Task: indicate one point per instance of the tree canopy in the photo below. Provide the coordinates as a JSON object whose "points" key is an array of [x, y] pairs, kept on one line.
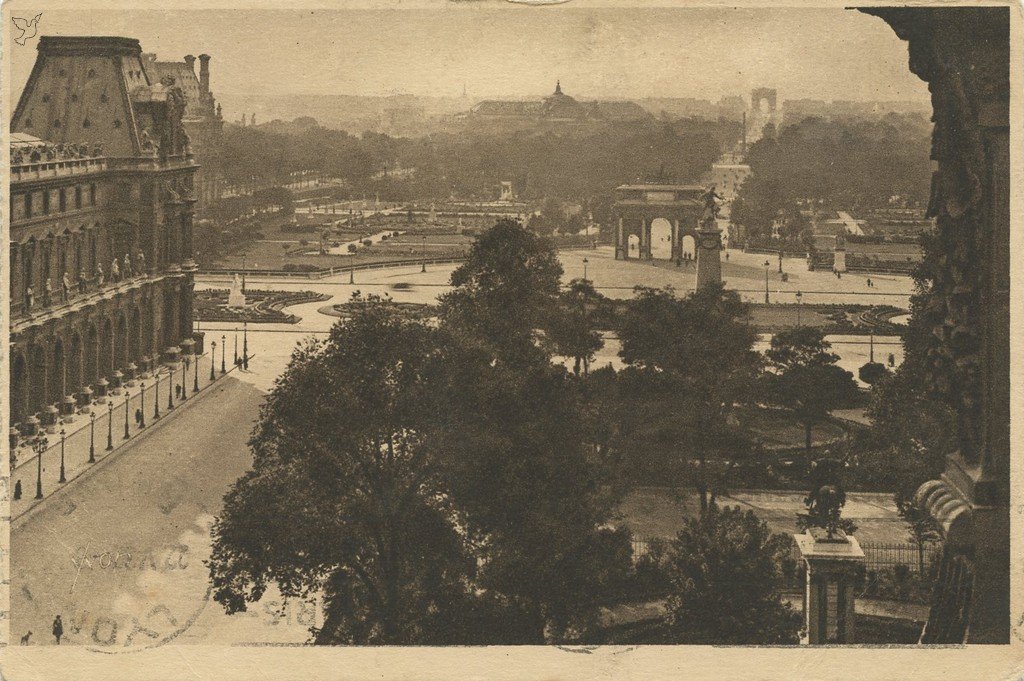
{"points": [[724, 568], [430, 493], [803, 376]]}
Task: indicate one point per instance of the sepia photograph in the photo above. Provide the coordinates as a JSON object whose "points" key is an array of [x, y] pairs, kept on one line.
{"points": [[567, 326]]}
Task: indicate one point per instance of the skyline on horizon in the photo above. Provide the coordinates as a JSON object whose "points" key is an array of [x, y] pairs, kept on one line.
{"points": [[513, 53]]}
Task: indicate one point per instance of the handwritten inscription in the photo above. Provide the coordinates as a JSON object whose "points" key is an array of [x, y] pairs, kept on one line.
{"points": [[172, 558]]}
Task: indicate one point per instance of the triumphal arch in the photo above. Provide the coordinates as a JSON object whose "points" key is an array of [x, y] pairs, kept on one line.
{"points": [[638, 206]]}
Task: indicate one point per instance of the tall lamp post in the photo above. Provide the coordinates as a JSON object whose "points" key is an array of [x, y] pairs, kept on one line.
{"points": [[92, 437], [156, 394], [424, 268], [110, 425], [245, 345], [223, 350], [799, 305], [142, 407], [236, 346], [213, 359], [766, 266], [184, 377], [585, 261], [195, 374], [126, 404], [63, 438], [170, 388], [39, 446]]}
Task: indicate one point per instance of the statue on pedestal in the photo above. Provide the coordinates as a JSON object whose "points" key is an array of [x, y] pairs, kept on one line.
{"points": [[235, 296], [711, 207]]}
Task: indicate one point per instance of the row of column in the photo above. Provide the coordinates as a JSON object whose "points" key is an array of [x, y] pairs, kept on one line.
{"points": [[622, 240], [95, 360]]}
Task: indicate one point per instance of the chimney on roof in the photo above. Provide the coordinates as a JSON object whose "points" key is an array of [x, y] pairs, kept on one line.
{"points": [[204, 73], [149, 57], [190, 62]]}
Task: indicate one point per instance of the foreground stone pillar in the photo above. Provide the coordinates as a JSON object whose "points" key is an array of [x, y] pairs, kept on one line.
{"points": [[832, 565]]}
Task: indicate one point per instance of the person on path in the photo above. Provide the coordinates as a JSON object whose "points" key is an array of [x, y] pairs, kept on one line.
{"points": [[58, 629]]}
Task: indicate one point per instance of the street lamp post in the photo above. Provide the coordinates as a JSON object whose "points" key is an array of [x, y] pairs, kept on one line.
{"points": [[110, 425], [39, 446], [236, 346], [585, 261], [63, 438], [424, 268], [766, 266], [92, 437], [245, 345], [170, 388], [142, 407], [126, 404], [156, 395], [184, 377], [195, 375], [223, 349], [213, 359], [799, 306]]}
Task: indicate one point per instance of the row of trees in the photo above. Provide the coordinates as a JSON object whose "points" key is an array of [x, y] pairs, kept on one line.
{"points": [[568, 165], [837, 165]]}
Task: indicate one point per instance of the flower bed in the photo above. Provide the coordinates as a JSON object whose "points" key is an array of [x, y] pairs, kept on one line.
{"points": [[261, 306]]}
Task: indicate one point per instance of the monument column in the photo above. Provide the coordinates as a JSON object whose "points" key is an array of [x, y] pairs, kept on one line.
{"points": [[709, 257], [621, 243]]}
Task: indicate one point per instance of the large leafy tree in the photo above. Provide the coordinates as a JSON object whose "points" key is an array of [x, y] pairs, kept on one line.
{"points": [[803, 377], [345, 497], [529, 484], [724, 567], [431, 494], [570, 328], [504, 293], [691, 361]]}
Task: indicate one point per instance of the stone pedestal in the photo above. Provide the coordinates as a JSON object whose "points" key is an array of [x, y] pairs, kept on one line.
{"points": [[839, 262], [116, 381], [200, 346], [833, 565], [49, 419], [102, 387], [30, 426], [67, 406], [145, 366], [130, 372], [85, 397], [170, 355], [187, 346], [709, 257]]}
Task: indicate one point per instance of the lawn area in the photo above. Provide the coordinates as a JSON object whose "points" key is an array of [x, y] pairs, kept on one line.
{"points": [[658, 512], [777, 429], [270, 255]]}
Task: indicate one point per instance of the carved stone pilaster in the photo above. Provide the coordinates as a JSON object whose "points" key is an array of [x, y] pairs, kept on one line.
{"points": [[964, 54]]}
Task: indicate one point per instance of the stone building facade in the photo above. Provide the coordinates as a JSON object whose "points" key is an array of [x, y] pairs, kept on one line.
{"points": [[101, 204], [201, 118]]}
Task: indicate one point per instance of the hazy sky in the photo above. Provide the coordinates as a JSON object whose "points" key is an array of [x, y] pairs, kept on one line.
{"points": [[510, 51]]}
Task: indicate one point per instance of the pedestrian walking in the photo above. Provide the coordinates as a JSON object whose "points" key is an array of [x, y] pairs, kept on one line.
{"points": [[58, 629], [138, 416], [17, 490]]}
